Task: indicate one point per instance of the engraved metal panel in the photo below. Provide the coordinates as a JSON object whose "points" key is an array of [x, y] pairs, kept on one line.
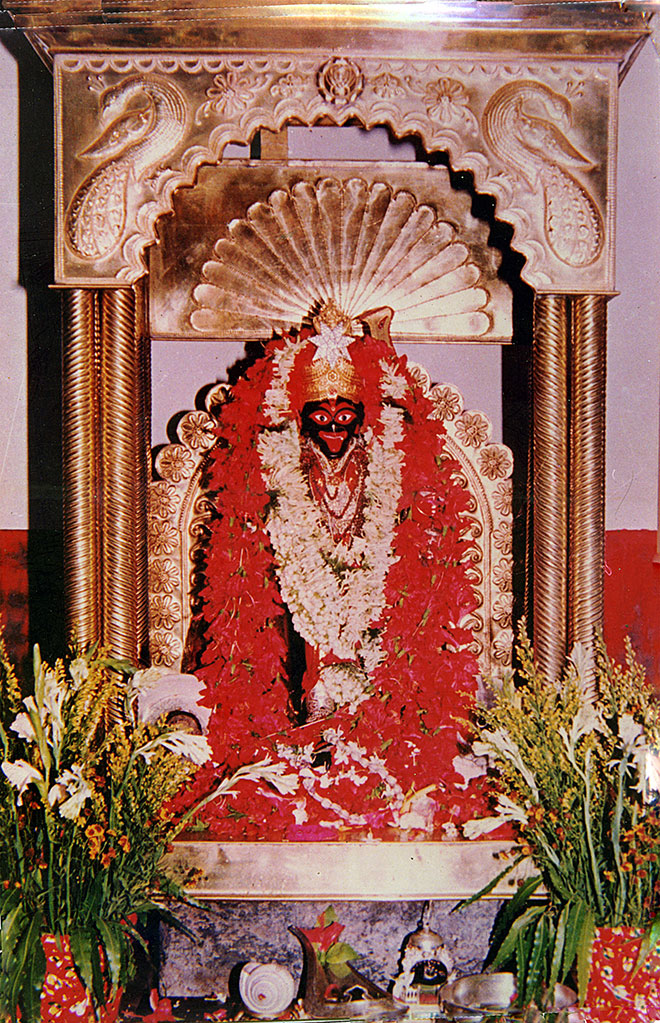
{"points": [[538, 136]]}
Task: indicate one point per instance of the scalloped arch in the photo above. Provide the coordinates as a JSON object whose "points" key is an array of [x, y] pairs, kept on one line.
{"points": [[228, 97]]}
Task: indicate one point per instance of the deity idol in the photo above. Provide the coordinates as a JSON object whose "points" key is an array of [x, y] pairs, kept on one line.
{"points": [[330, 638]]}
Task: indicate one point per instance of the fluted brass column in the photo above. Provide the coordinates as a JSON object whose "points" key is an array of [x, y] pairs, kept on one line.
{"points": [[106, 431], [550, 481], [143, 412], [81, 460], [587, 459], [123, 483]]}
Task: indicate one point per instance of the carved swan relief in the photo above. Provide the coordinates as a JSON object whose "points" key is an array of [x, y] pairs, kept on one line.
{"points": [[144, 121], [520, 124]]}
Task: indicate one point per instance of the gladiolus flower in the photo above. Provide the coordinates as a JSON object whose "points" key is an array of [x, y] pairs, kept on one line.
{"points": [[21, 774]]}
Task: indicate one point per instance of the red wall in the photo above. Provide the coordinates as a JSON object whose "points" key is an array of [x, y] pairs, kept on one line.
{"points": [[632, 594]]}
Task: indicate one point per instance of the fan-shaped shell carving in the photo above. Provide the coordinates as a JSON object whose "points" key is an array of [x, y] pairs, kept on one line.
{"points": [[362, 245]]}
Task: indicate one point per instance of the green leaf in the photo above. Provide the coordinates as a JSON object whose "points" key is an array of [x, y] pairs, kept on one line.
{"points": [[538, 957], [574, 922], [510, 910], [558, 951], [328, 916], [518, 927], [120, 664], [13, 926], [649, 942], [585, 941], [81, 950], [114, 941], [488, 888], [30, 1001], [341, 970], [23, 955], [340, 952], [8, 899]]}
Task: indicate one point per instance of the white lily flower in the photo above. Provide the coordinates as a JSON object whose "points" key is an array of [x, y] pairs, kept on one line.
{"points": [[21, 774], [146, 678], [273, 774], [23, 727], [504, 744], [651, 773], [55, 691], [469, 767], [588, 719], [629, 731], [263, 770], [633, 739], [193, 747], [300, 814], [482, 826], [75, 787], [508, 811], [56, 794]]}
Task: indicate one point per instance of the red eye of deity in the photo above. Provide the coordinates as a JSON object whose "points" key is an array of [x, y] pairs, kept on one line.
{"points": [[321, 417]]}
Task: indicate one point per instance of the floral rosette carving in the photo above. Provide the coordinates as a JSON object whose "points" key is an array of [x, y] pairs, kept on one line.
{"points": [[171, 550], [340, 81], [496, 463], [165, 648], [447, 101], [387, 86], [164, 611], [175, 463], [196, 430], [232, 92], [289, 86]]}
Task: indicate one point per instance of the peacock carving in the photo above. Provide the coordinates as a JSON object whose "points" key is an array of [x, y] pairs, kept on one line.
{"points": [[144, 121], [360, 245], [520, 124]]}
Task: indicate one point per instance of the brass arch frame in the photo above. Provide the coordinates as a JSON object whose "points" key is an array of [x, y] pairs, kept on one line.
{"points": [[106, 354]]}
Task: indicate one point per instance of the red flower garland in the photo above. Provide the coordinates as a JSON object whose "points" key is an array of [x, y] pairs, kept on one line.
{"points": [[406, 731]]}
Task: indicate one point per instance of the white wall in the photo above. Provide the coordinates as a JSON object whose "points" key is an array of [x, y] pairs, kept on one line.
{"points": [[634, 316], [634, 359], [13, 354]]}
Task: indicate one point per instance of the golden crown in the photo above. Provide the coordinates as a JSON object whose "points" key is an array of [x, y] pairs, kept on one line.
{"points": [[321, 380]]}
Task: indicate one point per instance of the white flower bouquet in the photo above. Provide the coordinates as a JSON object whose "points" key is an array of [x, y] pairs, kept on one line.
{"points": [[84, 821], [574, 766]]}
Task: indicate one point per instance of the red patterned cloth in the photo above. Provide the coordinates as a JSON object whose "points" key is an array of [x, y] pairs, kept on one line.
{"points": [[617, 992], [64, 999]]}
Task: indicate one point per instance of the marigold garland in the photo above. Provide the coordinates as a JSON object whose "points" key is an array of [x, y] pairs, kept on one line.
{"points": [[384, 760]]}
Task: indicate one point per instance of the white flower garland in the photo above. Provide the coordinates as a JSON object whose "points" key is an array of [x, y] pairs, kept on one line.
{"points": [[335, 592]]}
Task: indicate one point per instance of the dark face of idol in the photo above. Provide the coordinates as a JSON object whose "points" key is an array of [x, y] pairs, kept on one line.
{"points": [[332, 423]]}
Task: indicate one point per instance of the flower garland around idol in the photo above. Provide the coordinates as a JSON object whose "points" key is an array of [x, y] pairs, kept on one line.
{"points": [[389, 604]]}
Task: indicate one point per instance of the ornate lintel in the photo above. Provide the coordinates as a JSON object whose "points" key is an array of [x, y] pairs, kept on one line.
{"points": [[538, 136]]}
